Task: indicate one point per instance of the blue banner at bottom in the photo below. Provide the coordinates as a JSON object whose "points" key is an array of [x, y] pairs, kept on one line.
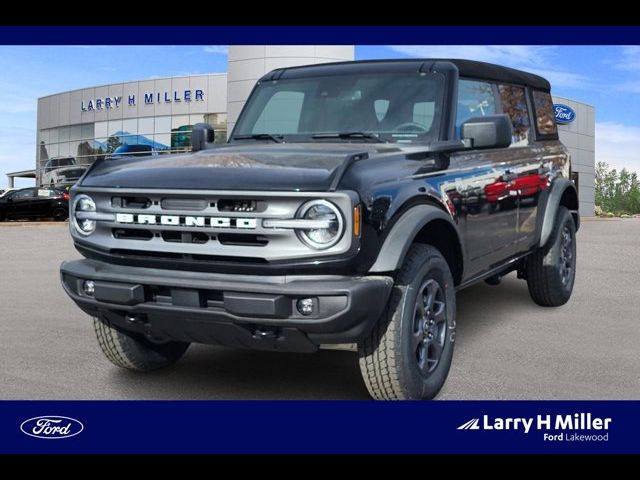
{"points": [[319, 427]]}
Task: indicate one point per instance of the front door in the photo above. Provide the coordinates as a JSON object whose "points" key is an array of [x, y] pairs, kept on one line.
{"points": [[479, 188], [20, 203]]}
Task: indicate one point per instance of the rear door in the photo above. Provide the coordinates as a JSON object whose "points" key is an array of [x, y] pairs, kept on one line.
{"points": [[43, 201]]}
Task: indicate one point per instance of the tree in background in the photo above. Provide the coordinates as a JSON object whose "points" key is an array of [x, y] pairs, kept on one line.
{"points": [[113, 142], [617, 192]]}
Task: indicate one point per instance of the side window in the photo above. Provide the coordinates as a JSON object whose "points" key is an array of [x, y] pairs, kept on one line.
{"points": [[281, 114], [475, 99], [545, 118], [514, 104], [28, 193]]}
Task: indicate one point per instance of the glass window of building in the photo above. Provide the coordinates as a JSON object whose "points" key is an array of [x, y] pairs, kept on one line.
{"points": [[63, 134], [115, 127], [162, 141], [145, 125], [101, 130], [88, 131], [76, 132], [162, 125], [130, 126]]}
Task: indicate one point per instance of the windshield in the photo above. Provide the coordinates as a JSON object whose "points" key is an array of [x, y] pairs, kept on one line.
{"points": [[394, 107]]}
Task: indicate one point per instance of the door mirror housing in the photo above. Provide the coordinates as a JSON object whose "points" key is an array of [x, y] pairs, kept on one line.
{"points": [[491, 131], [202, 135]]}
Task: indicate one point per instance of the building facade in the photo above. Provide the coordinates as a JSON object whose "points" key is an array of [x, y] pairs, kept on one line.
{"points": [[87, 124], [579, 137]]}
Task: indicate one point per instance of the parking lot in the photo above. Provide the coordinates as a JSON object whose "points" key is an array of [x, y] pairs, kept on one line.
{"points": [[507, 347]]}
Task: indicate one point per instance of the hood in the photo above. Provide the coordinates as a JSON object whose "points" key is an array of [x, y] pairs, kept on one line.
{"points": [[259, 166]]}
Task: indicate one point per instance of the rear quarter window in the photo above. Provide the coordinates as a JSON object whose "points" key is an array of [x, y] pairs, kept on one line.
{"points": [[545, 118], [514, 104]]}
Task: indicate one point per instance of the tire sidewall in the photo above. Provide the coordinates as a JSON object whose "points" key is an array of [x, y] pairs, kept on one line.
{"points": [[420, 387], [552, 258]]}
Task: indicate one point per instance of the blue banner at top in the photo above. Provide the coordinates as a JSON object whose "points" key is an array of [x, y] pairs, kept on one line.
{"points": [[327, 35], [326, 427]]}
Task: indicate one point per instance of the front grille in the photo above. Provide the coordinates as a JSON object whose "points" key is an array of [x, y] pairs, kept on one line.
{"points": [[211, 226]]}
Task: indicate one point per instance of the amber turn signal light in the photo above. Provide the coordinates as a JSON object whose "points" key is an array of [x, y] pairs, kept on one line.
{"points": [[357, 221]]}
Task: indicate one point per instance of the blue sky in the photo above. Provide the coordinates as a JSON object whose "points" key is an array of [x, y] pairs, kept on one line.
{"points": [[607, 77]]}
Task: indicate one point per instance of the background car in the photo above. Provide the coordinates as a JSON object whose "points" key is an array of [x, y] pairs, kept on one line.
{"points": [[6, 191], [35, 203], [60, 172]]}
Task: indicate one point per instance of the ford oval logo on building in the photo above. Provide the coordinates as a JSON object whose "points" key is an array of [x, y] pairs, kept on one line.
{"points": [[564, 113], [51, 427]]}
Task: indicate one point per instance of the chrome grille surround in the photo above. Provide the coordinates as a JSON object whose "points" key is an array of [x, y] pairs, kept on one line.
{"points": [[274, 226]]}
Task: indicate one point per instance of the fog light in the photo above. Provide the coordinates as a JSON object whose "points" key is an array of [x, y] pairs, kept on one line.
{"points": [[89, 287], [305, 306]]}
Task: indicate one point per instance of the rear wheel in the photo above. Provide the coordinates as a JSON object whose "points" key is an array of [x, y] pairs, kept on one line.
{"points": [[408, 354], [134, 352], [60, 214], [551, 270]]}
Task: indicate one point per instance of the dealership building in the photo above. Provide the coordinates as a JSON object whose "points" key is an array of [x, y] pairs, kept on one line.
{"points": [[89, 123]]}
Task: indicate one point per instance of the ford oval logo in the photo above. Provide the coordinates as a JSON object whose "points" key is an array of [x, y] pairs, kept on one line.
{"points": [[51, 427], [564, 113]]}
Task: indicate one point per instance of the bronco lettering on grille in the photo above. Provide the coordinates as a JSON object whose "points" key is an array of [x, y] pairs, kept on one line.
{"points": [[186, 221]]}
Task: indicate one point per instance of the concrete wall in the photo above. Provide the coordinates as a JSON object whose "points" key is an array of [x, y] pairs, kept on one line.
{"points": [[579, 137], [247, 63]]}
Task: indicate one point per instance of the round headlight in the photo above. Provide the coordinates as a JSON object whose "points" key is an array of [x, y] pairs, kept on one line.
{"points": [[328, 235], [81, 205]]}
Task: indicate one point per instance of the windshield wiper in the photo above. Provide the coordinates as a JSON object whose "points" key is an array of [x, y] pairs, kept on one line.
{"points": [[260, 136], [347, 135]]}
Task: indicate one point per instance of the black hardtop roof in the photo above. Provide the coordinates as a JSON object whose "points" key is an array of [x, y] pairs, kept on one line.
{"points": [[467, 68]]}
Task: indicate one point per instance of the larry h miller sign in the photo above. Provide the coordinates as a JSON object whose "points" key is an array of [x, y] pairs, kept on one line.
{"points": [[149, 98]]}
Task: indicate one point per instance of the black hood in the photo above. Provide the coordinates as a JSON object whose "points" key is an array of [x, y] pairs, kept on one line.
{"points": [[259, 166]]}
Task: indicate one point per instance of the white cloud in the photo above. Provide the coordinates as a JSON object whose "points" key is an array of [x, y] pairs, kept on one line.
{"points": [[618, 145], [629, 87], [532, 58], [630, 60], [217, 49]]}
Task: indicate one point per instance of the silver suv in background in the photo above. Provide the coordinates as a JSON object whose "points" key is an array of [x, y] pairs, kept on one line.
{"points": [[62, 172]]}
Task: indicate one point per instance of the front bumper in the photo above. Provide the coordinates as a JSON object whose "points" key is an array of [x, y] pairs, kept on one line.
{"points": [[235, 310]]}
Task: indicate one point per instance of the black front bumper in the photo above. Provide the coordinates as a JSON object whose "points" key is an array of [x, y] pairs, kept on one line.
{"points": [[235, 310]]}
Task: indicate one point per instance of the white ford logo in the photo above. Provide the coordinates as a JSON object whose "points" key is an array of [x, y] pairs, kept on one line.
{"points": [[51, 427], [186, 221]]}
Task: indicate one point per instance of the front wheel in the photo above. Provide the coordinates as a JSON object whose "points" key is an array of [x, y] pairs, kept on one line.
{"points": [[408, 354], [134, 352], [551, 270]]}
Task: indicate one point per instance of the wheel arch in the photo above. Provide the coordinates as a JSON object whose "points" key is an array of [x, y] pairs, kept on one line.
{"points": [[563, 193], [427, 224]]}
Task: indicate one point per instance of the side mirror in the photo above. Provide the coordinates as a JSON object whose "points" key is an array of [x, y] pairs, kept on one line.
{"points": [[202, 134], [492, 131]]}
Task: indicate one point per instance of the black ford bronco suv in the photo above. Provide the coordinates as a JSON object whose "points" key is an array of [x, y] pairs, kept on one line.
{"points": [[349, 205]]}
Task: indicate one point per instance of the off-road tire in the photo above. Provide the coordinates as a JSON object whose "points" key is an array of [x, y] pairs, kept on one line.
{"points": [[389, 364], [134, 352], [550, 283]]}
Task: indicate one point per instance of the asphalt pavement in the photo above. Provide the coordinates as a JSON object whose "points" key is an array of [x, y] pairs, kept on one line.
{"points": [[506, 346]]}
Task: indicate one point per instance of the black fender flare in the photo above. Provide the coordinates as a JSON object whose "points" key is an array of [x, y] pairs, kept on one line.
{"points": [[551, 205], [402, 234]]}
